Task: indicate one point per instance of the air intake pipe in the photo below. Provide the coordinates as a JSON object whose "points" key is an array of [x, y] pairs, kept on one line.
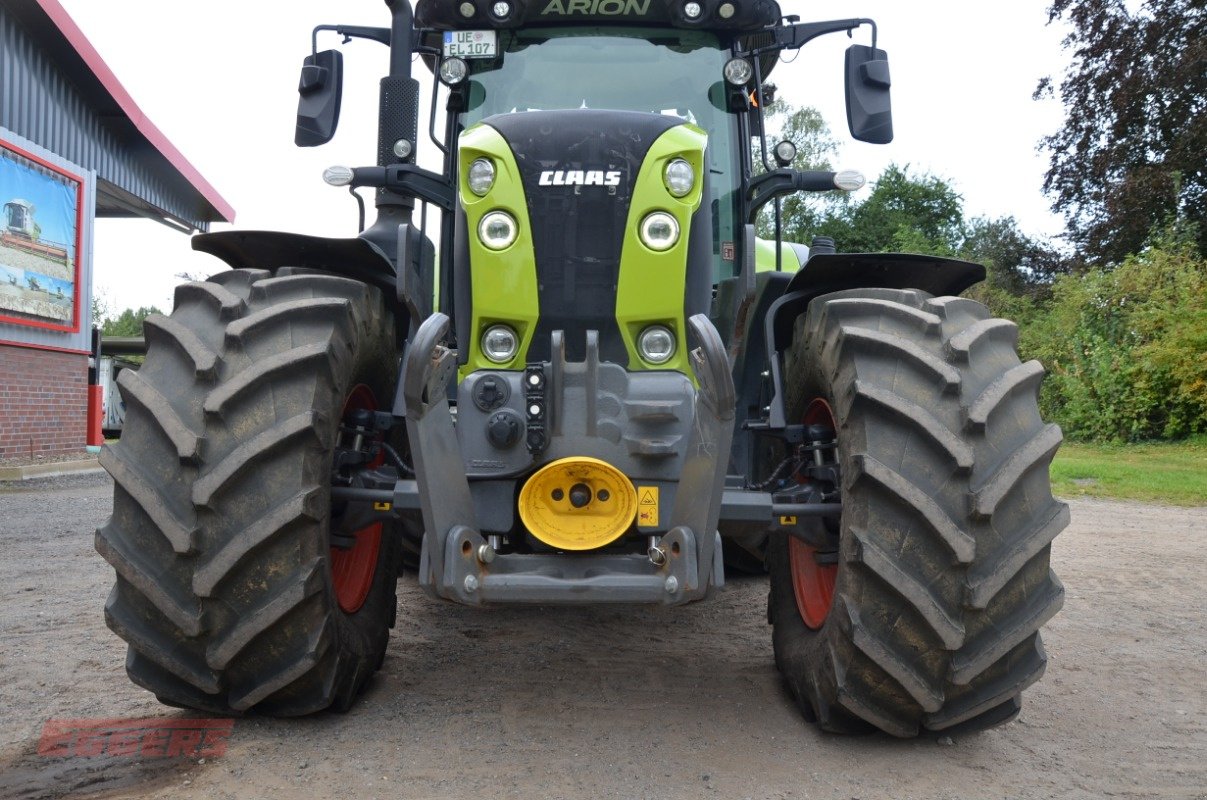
{"points": [[398, 116]]}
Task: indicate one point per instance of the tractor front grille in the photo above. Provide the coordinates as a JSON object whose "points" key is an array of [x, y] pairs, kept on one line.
{"points": [[578, 227]]}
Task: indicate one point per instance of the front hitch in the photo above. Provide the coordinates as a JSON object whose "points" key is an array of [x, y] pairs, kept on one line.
{"points": [[460, 562]]}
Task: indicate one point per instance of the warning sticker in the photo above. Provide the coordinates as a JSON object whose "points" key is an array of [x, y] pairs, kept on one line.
{"points": [[647, 506]]}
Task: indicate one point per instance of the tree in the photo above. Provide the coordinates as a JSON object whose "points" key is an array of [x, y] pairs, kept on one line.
{"points": [[1126, 348], [129, 322], [100, 308], [1016, 262], [1132, 154], [904, 213]]}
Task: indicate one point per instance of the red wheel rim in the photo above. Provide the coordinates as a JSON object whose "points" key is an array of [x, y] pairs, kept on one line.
{"points": [[812, 583], [353, 568]]}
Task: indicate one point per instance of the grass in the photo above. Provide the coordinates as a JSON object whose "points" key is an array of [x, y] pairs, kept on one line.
{"points": [[1158, 472]]}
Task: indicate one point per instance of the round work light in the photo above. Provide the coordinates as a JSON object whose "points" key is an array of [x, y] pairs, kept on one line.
{"points": [[656, 344], [497, 230], [659, 231], [738, 71], [453, 70], [500, 344]]}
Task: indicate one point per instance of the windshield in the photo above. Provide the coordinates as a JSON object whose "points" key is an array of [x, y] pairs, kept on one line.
{"points": [[653, 70]]}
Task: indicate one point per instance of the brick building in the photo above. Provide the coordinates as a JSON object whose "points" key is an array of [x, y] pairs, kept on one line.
{"points": [[73, 147]]}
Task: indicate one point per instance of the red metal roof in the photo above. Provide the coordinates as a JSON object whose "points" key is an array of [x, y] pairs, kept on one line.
{"points": [[75, 37]]}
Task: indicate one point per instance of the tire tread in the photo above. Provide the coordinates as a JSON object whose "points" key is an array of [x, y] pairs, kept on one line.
{"points": [[223, 590], [943, 581]]}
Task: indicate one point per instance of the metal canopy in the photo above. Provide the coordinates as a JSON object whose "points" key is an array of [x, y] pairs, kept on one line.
{"points": [[56, 91]]}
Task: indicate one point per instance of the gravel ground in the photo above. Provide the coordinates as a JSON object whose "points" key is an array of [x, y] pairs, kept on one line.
{"points": [[623, 702]]}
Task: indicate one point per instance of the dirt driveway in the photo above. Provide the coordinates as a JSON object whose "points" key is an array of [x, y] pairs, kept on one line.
{"points": [[623, 702]]}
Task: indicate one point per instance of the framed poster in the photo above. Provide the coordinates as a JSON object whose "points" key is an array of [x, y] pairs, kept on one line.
{"points": [[41, 236]]}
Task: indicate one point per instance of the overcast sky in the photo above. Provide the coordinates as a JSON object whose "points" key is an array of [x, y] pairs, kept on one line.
{"points": [[219, 79]]}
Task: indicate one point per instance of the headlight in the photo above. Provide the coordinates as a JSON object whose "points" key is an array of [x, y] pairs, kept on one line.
{"points": [[497, 230], [659, 231], [738, 71], [453, 70], [500, 344], [680, 177], [656, 344], [481, 176]]}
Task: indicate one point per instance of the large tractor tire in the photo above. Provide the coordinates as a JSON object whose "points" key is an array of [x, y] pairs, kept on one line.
{"points": [[229, 592], [925, 613]]}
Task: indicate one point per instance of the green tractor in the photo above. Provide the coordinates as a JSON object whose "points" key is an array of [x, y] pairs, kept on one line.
{"points": [[564, 369]]}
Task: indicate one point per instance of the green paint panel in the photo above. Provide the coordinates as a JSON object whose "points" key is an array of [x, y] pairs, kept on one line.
{"points": [[504, 286], [764, 256], [652, 284]]}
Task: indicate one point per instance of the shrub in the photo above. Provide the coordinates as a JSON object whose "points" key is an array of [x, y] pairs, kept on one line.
{"points": [[1126, 349]]}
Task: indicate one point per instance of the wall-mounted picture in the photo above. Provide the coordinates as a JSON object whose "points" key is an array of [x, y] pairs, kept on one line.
{"points": [[40, 240]]}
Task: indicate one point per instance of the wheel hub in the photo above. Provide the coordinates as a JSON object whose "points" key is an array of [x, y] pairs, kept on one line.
{"points": [[353, 567], [814, 572]]}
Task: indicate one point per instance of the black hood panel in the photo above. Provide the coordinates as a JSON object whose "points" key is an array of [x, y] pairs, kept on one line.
{"points": [[579, 168]]}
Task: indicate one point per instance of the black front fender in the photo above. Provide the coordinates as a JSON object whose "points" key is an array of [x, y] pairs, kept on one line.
{"points": [[834, 272], [352, 258], [837, 272]]}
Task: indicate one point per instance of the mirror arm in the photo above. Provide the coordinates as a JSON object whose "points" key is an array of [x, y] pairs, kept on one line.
{"points": [[797, 35], [410, 181], [350, 32], [777, 183]]}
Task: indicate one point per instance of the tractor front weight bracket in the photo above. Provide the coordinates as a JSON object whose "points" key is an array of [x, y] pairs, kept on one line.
{"points": [[457, 560], [444, 497]]}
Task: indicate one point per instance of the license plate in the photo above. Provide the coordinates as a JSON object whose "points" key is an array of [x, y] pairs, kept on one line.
{"points": [[471, 44]]}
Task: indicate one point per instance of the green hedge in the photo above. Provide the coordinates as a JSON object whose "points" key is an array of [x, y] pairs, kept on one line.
{"points": [[1126, 348]]}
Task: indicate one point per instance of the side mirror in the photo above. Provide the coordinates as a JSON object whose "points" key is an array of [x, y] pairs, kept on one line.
{"points": [[869, 112], [320, 89]]}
